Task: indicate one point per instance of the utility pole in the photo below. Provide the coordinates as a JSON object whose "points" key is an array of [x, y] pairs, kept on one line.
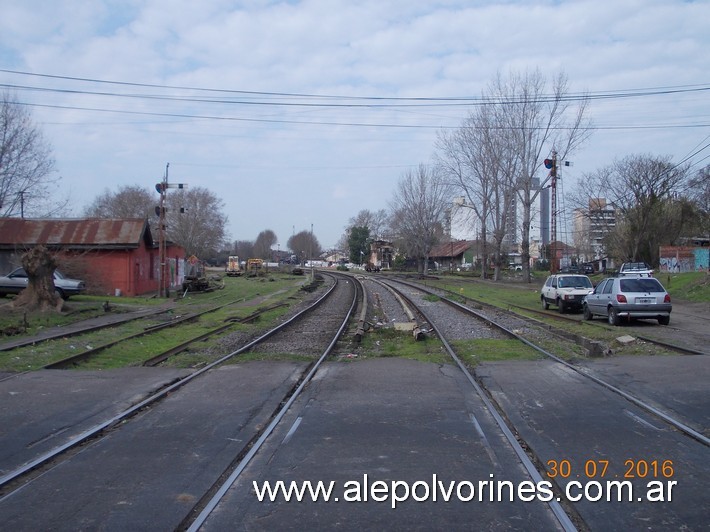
{"points": [[162, 188], [551, 164], [310, 252]]}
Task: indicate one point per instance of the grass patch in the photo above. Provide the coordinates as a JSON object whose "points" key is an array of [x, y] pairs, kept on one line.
{"points": [[242, 296], [474, 352], [694, 286], [388, 342]]}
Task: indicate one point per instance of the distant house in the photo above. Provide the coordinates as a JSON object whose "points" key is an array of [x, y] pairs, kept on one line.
{"points": [[457, 254], [381, 254], [113, 256]]}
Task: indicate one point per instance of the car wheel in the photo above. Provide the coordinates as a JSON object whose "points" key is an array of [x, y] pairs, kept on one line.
{"points": [[561, 306], [59, 293], [545, 304], [613, 316], [664, 320], [587, 313]]}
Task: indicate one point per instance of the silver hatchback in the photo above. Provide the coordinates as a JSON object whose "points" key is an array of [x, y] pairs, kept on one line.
{"points": [[16, 281], [629, 297]]}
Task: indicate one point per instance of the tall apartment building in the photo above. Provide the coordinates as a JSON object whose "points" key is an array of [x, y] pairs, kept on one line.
{"points": [[591, 226], [466, 226]]}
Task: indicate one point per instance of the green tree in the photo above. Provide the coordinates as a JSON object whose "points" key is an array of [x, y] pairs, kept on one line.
{"points": [[359, 244]]}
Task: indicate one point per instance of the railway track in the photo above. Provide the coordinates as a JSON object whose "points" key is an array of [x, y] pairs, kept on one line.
{"points": [[536, 476], [516, 425], [675, 423], [39, 466], [278, 413]]}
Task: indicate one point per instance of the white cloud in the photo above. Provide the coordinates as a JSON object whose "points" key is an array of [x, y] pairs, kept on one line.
{"points": [[281, 175]]}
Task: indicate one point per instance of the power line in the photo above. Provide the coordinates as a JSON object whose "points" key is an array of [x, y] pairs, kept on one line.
{"points": [[420, 100], [332, 123]]}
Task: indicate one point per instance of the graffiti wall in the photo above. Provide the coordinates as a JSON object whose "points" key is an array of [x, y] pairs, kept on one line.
{"points": [[678, 259]]}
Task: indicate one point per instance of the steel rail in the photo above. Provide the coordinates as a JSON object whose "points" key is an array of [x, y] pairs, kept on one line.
{"points": [[229, 482], [688, 431], [89, 353], [129, 412], [556, 508]]}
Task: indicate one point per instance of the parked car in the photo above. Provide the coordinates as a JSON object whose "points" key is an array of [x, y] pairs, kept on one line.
{"points": [[629, 297], [587, 268], [636, 269], [571, 269], [565, 291], [16, 281]]}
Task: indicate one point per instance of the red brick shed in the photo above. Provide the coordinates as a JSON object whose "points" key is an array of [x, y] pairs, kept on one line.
{"points": [[109, 254]]}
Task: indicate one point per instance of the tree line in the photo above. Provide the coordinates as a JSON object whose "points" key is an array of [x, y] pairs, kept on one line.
{"points": [[493, 162]]}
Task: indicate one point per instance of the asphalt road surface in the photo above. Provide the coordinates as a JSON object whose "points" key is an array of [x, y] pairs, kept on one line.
{"points": [[364, 425]]}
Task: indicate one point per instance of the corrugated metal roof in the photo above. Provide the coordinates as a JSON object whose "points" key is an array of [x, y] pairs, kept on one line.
{"points": [[451, 249], [76, 233]]}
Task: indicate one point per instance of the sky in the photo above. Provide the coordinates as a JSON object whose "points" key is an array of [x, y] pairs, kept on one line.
{"points": [[300, 114]]}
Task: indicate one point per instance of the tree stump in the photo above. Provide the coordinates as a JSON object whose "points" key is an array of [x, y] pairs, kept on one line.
{"points": [[40, 294]]}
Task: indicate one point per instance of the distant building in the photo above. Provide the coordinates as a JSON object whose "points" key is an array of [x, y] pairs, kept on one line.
{"points": [[465, 225], [591, 226], [381, 254]]}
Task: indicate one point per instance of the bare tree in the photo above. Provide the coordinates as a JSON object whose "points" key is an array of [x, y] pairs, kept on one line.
{"points": [[500, 148], [27, 184], [540, 123], [419, 209], [304, 245], [263, 243], [479, 160], [244, 249], [130, 201], [195, 220], [699, 194], [643, 190], [375, 221]]}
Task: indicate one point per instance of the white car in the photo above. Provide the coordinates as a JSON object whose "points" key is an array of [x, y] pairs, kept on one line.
{"points": [[565, 291], [635, 269]]}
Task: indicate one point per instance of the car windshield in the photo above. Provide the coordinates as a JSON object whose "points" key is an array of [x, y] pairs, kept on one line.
{"points": [[641, 284], [574, 281]]}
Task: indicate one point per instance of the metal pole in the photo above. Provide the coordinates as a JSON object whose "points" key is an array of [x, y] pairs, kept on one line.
{"points": [[553, 229]]}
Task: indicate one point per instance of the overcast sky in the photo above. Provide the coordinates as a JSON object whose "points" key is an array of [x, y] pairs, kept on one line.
{"points": [[285, 109]]}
